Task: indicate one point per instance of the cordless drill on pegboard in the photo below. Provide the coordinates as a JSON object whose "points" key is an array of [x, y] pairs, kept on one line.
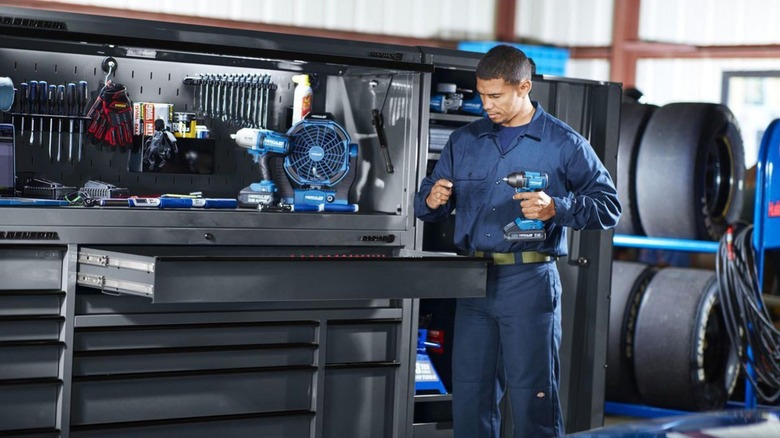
{"points": [[521, 228]]}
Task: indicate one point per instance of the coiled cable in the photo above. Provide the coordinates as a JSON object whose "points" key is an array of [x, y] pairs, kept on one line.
{"points": [[748, 323]]}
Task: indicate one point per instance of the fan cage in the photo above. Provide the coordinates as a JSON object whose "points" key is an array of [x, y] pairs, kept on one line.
{"points": [[319, 153]]}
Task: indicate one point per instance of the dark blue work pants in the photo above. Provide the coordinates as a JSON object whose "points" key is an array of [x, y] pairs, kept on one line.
{"points": [[517, 327]]}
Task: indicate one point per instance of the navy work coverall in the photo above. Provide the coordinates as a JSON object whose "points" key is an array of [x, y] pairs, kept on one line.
{"points": [[517, 326]]}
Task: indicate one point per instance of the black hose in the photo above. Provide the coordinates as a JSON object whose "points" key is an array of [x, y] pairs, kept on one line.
{"points": [[748, 323]]}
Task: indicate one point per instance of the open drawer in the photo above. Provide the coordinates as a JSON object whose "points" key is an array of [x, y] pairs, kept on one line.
{"points": [[239, 274]]}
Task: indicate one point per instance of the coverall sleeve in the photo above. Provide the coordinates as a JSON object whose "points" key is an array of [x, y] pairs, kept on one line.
{"points": [[442, 169], [593, 203]]}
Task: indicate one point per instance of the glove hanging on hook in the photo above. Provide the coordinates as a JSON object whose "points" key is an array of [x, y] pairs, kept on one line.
{"points": [[111, 117], [112, 113]]}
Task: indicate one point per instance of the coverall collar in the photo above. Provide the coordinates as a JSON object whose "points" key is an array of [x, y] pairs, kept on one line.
{"points": [[535, 126]]}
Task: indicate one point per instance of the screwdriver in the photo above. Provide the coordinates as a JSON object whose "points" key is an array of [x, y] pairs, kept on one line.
{"points": [[60, 111], [70, 101], [24, 95], [83, 98], [42, 88], [51, 98], [33, 102]]}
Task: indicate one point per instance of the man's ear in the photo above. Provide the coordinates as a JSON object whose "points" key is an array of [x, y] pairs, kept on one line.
{"points": [[525, 86]]}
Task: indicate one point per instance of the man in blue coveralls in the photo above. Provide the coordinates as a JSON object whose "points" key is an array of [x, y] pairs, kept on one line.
{"points": [[510, 338]]}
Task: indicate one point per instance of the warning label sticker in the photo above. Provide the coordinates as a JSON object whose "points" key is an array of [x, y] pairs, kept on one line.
{"points": [[774, 209]]}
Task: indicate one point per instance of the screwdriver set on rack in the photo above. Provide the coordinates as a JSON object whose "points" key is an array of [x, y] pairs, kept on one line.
{"points": [[46, 109]]}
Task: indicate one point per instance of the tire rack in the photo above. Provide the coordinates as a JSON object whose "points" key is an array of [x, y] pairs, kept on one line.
{"points": [[765, 238], [627, 241]]}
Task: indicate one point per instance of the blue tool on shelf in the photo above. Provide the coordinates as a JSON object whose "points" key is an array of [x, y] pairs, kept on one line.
{"points": [[163, 202], [449, 98], [425, 377]]}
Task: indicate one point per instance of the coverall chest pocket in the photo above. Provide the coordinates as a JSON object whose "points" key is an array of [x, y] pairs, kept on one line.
{"points": [[470, 187]]}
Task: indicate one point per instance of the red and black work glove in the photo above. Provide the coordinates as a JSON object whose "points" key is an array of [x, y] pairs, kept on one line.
{"points": [[98, 126], [112, 117]]}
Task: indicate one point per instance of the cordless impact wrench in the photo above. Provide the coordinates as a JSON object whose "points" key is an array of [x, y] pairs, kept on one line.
{"points": [[530, 230], [261, 144]]}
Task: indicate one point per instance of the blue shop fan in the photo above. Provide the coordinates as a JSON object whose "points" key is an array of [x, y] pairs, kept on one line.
{"points": [[318, 159]]}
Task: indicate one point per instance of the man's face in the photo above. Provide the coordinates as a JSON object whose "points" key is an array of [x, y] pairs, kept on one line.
{"points": [[502, 101]]}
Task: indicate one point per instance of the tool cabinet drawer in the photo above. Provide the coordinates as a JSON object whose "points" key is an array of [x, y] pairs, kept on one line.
{"points": [[369, 411], [287, 426], [28, 406], [96, 363], [31, 303], [211, 274], [362, 341], [168, 396], [24, 268], [29, 360], [192, 336], [23, 328]]}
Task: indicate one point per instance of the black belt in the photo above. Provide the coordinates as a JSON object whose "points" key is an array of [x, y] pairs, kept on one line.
{"points": [[515, 258]]}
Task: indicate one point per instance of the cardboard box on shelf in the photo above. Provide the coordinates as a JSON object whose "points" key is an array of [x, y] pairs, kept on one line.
{"points": [[145, 113]]}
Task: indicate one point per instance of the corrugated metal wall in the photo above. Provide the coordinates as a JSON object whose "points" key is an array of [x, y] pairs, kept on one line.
{"points": [[691, 80], [445, 19], [595, 69], [710, 22], [565, 22]]}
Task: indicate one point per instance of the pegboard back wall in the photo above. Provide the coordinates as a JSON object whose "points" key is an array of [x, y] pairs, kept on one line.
{"points": [[147, 80]]}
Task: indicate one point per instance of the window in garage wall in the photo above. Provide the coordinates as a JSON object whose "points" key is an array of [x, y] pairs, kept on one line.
{"points": [[754, 98]]}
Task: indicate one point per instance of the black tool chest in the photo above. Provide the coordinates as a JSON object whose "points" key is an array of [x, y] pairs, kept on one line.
{"points": [[123, 321]]}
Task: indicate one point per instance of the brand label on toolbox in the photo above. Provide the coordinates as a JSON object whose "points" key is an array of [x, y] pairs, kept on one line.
{"points": [[774, 209], [387, 55]]}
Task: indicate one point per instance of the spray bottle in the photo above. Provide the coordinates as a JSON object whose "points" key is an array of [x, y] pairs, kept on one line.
{"points": [[301, 98]]}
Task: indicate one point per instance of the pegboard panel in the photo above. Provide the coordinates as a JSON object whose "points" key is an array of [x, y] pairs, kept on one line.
{"points": [[147, 80]]}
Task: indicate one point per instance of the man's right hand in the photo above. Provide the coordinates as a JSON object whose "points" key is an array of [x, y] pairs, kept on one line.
{"points": [[440, 194]]}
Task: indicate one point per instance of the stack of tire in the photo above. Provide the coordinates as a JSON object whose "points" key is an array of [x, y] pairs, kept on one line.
{"points": [[680, 170], [680, 175]]}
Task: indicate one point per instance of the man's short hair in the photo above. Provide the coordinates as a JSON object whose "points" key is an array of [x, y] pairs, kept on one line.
{"points": [[505, 62]]}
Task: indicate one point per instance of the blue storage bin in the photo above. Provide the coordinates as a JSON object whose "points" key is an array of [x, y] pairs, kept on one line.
{"points": [[549, 60]]}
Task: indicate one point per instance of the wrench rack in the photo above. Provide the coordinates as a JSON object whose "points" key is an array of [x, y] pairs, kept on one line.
{"points": [[239, 100]]}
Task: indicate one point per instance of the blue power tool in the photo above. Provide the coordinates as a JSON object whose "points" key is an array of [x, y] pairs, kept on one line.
{"points": [[531, 230], [261, 143], [450, 99]]}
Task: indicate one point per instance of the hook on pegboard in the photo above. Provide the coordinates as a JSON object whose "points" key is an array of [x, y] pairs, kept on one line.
{"points": [[109, 66]]}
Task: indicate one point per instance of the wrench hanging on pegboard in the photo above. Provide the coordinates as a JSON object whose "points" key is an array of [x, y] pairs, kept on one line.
{"points": [[240, 100]]}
